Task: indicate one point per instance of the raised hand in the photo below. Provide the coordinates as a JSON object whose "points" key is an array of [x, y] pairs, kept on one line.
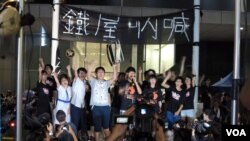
{"points": [[40, 68], [68, 67], [140, 70]]}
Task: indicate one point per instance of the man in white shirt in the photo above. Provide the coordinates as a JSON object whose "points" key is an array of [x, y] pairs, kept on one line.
{"points": [[100, 99], [77, 108]]}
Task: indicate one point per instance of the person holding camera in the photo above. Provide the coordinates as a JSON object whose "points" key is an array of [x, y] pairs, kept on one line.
{"points": [[65, 131], [207, 129]]}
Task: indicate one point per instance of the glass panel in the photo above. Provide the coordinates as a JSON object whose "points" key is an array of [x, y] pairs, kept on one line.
{"points": [[167, 57], [152, 57], [78, 59], [93, 52]]}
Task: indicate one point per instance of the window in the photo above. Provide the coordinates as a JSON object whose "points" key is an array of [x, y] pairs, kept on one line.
{"points": [[160, 57]]}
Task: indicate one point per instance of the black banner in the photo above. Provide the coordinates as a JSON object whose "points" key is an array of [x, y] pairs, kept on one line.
{"points": [[84, 25]]}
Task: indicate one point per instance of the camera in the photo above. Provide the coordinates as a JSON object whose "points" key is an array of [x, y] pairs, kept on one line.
{"points": [[65, 126], [201, 127]]}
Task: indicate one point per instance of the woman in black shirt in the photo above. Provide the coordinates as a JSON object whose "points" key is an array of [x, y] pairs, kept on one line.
{"points": [[175, 104]]}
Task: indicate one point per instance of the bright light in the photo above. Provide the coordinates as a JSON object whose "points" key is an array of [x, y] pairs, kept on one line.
{"points": [[12, 124], [241, 28]]}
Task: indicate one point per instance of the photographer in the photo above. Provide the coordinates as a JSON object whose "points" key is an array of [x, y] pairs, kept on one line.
{"points": [[206, 130], [65, 130], [39, 129]]}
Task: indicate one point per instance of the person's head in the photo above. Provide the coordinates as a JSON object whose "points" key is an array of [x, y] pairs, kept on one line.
{"points": [[149, 73], [207, 82], [152, 80], [178, 82], [130, 72], [82, 72], [61, 116], [188, 80], [227, 96], [44, 75], [48, 69], [45, 120], [64, 80], [216, 104], [121, 76], [100, 73], [208, 115]]}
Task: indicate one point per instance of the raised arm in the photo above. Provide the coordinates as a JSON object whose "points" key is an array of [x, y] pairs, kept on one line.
{"points": [[182, 68], [193, 80], [40, 73], [140, 75], [55, 75], [202, 79], [179, 110], [114, 76], [137, 86], [41, 62], [164, 83], [69, 72]]}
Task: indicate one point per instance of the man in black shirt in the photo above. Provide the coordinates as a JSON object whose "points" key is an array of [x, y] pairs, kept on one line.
{"points": [[43, 102], [128, 90]]}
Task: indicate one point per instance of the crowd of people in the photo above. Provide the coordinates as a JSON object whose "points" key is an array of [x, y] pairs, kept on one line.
{"points": [[83, 106]]}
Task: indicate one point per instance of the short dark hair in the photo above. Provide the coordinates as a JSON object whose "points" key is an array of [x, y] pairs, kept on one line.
{"points": [[63, 76], [99, 68], [210, 113], [179, 78], [50, 66], [81, 69], [151, 70], [60, 116], [152, 76], [121, 74], [44, 118], [129, 69], [44, 72]]}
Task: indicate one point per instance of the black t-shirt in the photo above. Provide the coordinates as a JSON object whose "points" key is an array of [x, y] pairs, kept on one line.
{"points": [[43, 102], [168, 91], [116, 99], [205, 90], [176, 99], [145, 84], [189, 99], [52, 86], [128, 99], [155, 95]]}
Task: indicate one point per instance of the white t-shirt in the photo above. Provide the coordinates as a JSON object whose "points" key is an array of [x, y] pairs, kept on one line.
{"points": [[99, 92], [63, 102], [78, 93]]}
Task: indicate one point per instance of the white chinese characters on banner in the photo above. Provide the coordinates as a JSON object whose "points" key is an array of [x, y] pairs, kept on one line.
{"points": [[110, 26], [177, 25], [139, 29], [70, 24], [82, 23], [77, 23]]}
